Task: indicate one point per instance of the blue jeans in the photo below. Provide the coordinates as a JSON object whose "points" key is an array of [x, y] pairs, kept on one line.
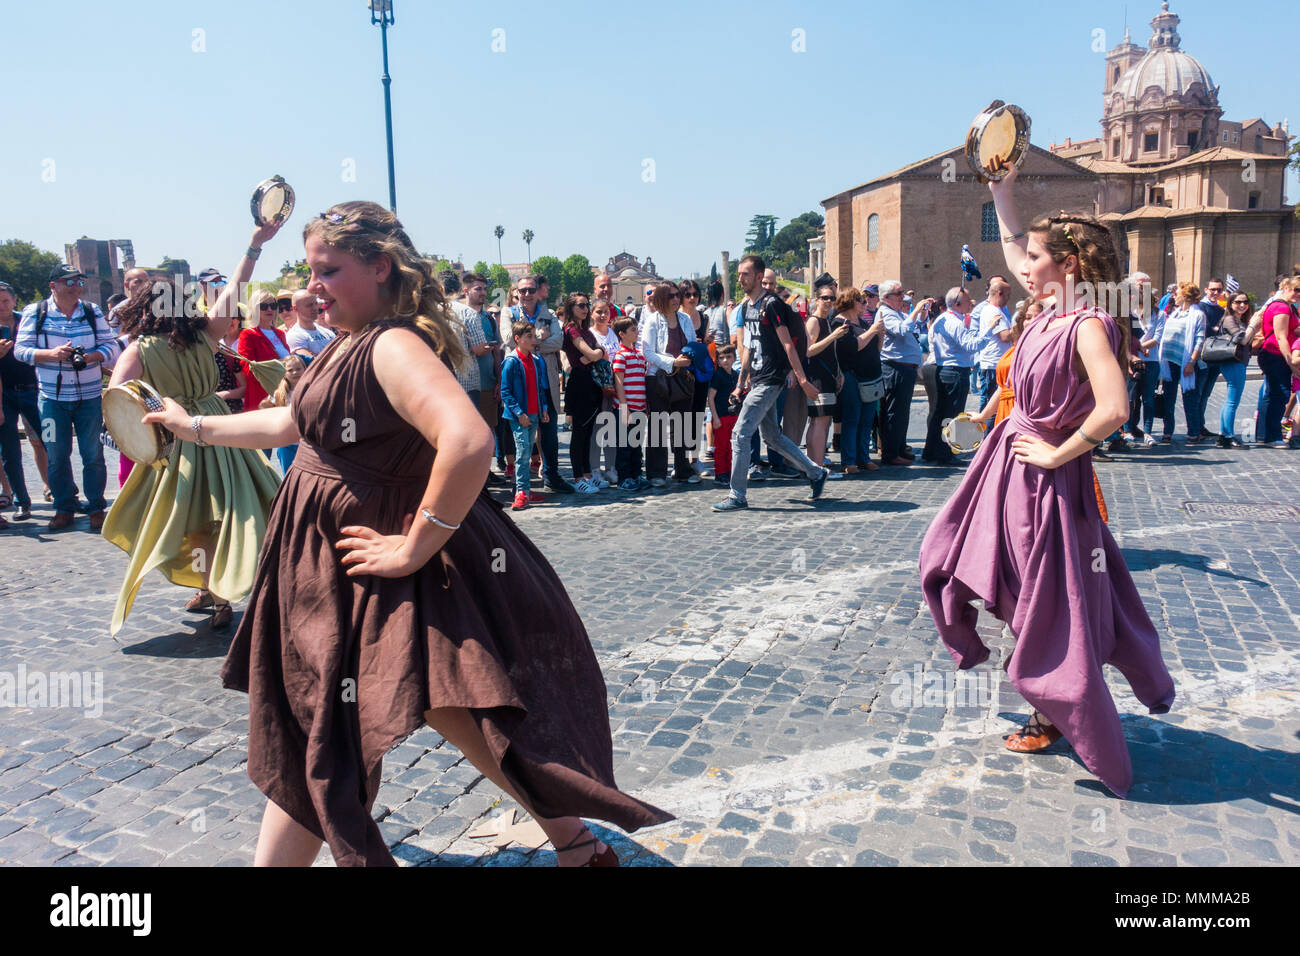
{"points": [[18, 404], [1150, 379], [60, 421], [524, 435], [988, 385], [858, 420], [1234, 373], [895, 407], [759, 414], [1277, 375]]}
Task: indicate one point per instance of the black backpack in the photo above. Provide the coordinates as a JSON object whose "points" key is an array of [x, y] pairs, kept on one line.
{"points": [[87, 311]]}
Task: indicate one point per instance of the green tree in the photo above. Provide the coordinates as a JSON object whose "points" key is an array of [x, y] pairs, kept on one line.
{"points": [[481, 267], [761, 229], [27, 269], [553, 269], [577, 275], [498, 284]]}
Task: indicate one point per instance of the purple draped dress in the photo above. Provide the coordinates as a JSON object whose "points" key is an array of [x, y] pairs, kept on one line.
{"points": [[1031, 544]]}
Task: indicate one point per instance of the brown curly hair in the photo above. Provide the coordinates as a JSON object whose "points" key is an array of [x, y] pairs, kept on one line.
{"points": [[1090, 241], [367, 230], [158, 309]]}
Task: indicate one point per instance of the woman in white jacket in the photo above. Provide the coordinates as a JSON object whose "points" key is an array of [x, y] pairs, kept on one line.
{"points": [[663, 336]]}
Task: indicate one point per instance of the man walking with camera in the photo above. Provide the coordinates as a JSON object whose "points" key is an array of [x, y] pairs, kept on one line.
{"points": [[67, 340]]}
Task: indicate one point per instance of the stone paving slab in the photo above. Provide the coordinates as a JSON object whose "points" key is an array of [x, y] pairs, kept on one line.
{"points": [[774, 680]]}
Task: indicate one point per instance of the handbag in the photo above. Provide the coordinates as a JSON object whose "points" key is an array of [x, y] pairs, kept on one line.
{"points": [[1222, 347], [872, 391], [675, 389], [602, 373]]}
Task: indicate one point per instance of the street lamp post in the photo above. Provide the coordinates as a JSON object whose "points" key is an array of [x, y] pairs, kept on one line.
{"points": [[381, 13]]}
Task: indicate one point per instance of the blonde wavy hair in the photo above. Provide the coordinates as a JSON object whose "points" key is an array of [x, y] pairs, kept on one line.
{"points": [[367, 230]]}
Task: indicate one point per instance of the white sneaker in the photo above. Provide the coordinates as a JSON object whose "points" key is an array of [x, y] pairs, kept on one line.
{"points": [[584, 487], [699, 468], [600, 483], [1149, 440], [610, 476]]}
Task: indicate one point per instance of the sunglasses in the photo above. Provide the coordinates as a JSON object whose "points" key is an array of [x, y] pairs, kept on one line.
{"points": [[74, 283], [691, 295], [826, 298], [527, 291], [266, 307], [285, 306]]}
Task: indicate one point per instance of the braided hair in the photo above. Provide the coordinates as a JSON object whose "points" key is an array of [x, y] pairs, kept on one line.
{"points": [[367, 230], [1090, 241]]}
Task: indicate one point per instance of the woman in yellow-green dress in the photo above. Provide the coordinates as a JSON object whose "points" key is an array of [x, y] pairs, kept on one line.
{"points": [[201, 517]]}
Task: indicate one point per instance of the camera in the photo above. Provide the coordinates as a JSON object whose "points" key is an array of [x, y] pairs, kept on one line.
{"points": [[78, 358]]}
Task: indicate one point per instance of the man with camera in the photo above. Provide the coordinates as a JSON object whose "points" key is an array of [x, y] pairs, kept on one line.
{"points": [[67, 340]]}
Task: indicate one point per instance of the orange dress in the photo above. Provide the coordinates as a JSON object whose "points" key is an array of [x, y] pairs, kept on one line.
{"points": [[1007, 401]]}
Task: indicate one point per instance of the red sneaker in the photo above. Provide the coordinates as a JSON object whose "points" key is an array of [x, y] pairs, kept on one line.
{"points": [[521, 502], [509, 472], [535, 498]]}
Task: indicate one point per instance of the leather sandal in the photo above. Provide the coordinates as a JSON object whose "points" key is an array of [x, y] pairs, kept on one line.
{"points": [[605, 858], [222, 617], [1034, 736], [199, 601]]}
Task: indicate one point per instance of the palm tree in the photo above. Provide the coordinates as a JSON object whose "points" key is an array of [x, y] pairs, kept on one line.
{"points": [[528, 238], [499, 231]]}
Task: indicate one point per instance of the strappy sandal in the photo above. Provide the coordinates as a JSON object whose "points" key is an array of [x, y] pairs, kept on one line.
{"points": [[606, 857], [203, 599], [6, 500], [222, 617], [1034, 736]]}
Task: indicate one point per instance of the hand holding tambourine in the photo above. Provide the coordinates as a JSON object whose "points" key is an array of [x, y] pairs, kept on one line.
{"points": [[173, 417]]}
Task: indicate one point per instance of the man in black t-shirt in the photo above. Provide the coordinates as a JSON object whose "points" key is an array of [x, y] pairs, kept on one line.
{"points": [[772, 329]]}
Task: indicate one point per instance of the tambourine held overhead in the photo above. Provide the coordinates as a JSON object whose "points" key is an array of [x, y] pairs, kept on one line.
{"points": [[272, 201], [998, 141]]}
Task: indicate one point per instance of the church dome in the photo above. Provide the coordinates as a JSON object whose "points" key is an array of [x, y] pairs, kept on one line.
{"points": [[1169, 69]]}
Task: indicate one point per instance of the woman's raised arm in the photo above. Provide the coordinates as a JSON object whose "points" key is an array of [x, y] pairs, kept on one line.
{"points": [[1014, 242]]}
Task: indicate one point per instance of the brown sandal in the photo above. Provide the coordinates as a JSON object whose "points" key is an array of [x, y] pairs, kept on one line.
{"points": [[222, 617], [607, 857], [1034, 736], [203, 599]]}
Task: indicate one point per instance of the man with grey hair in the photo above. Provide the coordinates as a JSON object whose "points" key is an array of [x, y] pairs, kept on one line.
{"points": [[993, 314], [955, 343], [305, 334], [900, 357]]}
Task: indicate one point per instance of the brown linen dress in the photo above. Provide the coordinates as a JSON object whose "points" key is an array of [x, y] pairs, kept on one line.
{"points": [[339, 669]]}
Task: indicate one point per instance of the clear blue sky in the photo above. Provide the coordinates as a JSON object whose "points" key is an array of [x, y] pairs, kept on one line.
{"points": [[155, 142]]}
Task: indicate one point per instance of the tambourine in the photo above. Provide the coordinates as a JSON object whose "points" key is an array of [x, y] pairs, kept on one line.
{"points": [[272, 201], [998, 141], [962, 433], [123, 407]]}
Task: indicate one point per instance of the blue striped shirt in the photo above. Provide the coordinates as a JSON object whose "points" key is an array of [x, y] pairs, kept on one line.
{"points": [[59, 381]]}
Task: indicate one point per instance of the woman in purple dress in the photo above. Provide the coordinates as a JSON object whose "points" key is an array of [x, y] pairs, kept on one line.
{"points": [[1023, 532]]}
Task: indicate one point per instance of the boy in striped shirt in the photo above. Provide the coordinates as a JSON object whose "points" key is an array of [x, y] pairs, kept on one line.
{"points": [[629, 381]]}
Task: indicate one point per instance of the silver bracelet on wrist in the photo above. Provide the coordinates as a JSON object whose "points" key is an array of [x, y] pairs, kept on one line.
{"points": [[1089, 439], [429, 516], [196, 425]]}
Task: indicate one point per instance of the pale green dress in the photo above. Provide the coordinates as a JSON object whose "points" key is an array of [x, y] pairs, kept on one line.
{"points": [[164, 514]]}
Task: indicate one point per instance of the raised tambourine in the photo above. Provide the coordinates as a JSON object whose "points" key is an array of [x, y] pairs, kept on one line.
{"points": [[272, 201], [962, 434], [998, 141], [123, 407]]}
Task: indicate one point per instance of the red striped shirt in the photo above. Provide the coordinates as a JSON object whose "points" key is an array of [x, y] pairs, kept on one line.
{"points": [[631, 364]]}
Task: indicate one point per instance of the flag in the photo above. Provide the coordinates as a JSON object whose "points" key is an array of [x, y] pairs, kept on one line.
{"points": [[1231, 285]]}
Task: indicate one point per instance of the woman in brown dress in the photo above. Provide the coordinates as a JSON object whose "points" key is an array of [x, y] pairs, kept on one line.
{"points": [[390, 591]]}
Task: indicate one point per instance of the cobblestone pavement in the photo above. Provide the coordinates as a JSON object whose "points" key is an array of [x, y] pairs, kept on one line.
{"points": [[774, 680]]}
